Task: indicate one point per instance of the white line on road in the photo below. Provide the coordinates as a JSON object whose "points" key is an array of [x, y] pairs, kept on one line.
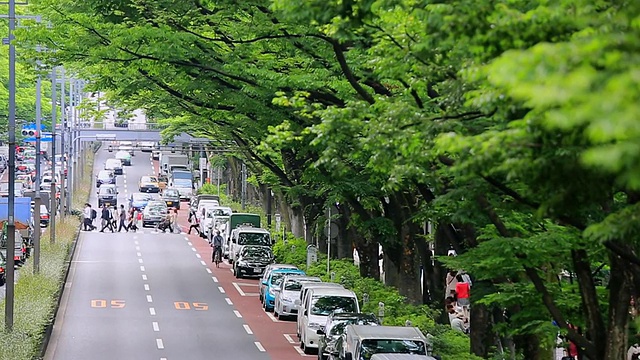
{"points": [[146, 287], [136, 242], [235, 285], [300, 351], [140, 261], [259, 346], [137, 248], [203, 263], [189, 243], [215, 279], [152, 311], [142, 268], [247, 329], [209, 271], [231, 270], [198, 256], [186, 238], [160, 344], [156, 327], [289, 339], [237, 313], [149, 298], [139, 254], [144, 277], [270, 315], [228, 301], [193, 249], [221, 289]]}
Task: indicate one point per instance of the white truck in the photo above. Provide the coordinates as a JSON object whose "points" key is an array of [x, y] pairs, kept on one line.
{"points": [[168, 159]]}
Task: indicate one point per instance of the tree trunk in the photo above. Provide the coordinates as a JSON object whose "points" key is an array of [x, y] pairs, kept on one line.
{"points": [[620, 290], [483, 338], [369, 255], [344, 245]]}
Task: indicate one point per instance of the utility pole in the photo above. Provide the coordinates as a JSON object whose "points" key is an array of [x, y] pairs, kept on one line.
{"points": [[244, 185], [11, 226], [37, 200], [54, 189], [63, 188]]}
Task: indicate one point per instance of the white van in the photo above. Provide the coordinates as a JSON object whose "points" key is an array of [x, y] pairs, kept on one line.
{"points": [[247, 235], [319, 304], [303, 293]]}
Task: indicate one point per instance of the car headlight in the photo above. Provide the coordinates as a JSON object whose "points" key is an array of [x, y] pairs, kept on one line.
{"points": [[242, 263], [315, 326]]}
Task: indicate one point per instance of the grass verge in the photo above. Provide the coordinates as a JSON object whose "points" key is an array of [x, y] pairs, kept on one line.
{"points": [[37, 295]]}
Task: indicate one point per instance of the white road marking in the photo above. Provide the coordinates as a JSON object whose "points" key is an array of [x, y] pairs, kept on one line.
{"points": [[289, 339], [259, 346], [228, 301], [146, 287], [186, 238], [156, 327], [144, 277], [152, 311], [231, 270], [235, 285], [237, 313], [247, 329], [189, 243], [149, 298], [137, 248], [209, 271], [142, 268], [215, 279], [203, 263], [270, 315], [160, 344], [140, 261], [193, 249], [136, 242], [300, 351], [139, 254], [198, 256], [182, 232], [221, 289]]}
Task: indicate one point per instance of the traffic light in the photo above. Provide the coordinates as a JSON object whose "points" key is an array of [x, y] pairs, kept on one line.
{"points": [[29, 132]]}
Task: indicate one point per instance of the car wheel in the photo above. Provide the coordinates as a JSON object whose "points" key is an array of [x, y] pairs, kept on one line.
{"points": [[307, 350], [275, 313]]}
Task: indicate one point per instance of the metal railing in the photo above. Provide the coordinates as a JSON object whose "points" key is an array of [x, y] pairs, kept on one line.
{"points": [[119, 126]]}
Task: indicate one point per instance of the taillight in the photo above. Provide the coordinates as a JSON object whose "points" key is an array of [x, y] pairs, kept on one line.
{"points": [[44, 217]]}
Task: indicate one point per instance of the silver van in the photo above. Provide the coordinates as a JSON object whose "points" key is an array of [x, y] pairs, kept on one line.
{"points": [[303, 292], [362, 342]]}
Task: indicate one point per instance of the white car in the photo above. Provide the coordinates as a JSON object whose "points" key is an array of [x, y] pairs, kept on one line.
{"points": [[215, 217], [114, 165], [285, 304]]}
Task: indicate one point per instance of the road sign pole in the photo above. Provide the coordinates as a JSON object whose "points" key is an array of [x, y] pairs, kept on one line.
{"points": [[54, 190], [37, 201]]}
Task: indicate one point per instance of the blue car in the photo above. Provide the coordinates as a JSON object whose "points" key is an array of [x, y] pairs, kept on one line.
{"points": [[272, 284], [139, 201]]}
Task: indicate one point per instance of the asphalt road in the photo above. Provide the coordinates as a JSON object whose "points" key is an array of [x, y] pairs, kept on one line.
{"points": [[146, 295]]}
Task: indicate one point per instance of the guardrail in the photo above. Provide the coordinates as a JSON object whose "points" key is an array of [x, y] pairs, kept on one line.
{"points": [[124, 126]]}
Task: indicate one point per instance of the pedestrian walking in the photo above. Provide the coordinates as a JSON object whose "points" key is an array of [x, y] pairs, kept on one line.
{"points": [[195, 224], [462, 294], [88, 215], [123, 219], [106, 219]]}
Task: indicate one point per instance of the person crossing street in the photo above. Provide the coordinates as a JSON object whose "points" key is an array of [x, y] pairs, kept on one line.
{"points": [[123, 219]]}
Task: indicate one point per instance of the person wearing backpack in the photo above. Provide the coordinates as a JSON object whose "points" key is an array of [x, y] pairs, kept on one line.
{"points": [[88, 218]]}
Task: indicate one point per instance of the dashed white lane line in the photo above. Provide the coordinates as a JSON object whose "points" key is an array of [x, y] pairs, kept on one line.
{"points": [[139, 254], [142, 268], [209, 271], [144, 277], [289, 339], [149, 298], [136, 242], [160, 344], [215, 279], [152, 311], [237, 313], [203, 263], [189, 243], [259, 346], [198, 256], [141, 261], [146, 287], [247, 329], [228, 301], [221, 289], [156, 327], [137, 248], [193, 249], [238, 288]]}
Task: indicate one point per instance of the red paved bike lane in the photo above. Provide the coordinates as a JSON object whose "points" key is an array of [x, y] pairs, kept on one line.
{"points": [[278, 338]]}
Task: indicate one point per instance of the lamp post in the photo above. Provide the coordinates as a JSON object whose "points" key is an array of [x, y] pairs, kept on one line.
{"points": [[37, 200], [54, 187]]}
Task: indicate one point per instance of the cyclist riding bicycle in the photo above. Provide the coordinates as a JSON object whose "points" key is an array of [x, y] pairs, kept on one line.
{"points": [[216, 243]]}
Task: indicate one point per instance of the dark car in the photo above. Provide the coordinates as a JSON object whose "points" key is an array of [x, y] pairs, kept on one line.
{"points": [[171, 196], [105, 177], [332, 332], [107, 195], [252, 260], [139, 201]]}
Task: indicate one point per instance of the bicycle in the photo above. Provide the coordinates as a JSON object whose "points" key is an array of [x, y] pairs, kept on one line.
{"points": [[217, 256]]}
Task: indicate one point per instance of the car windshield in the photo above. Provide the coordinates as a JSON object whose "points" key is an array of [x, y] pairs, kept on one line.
{"points": [[171, 193], [104, 174], [385, 346], [219, 212], [338, 326], [151, 179], [256, 252], [325, 305], [182, 182], [182, 175], [141, 197], [254, 239], [106, 191], [295, 284], [276, 278]]}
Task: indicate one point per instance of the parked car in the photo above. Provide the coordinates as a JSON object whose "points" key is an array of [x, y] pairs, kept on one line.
{"points": [[125, 157], [107, 195], [44, 215], [252, 261], [171, 197], [273, 286], [148, 184], [105, 177], [290, 286], [154, 212], [139, 201], [267, 272], [334, 328], [155, 155], [114, 165], [363, 341]]}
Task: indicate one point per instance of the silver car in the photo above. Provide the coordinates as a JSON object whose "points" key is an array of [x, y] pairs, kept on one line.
{"points": [[154, 212], [290, 291]]}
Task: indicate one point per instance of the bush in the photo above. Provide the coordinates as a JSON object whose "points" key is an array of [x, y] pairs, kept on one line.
{"points": [[448, 343]]}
